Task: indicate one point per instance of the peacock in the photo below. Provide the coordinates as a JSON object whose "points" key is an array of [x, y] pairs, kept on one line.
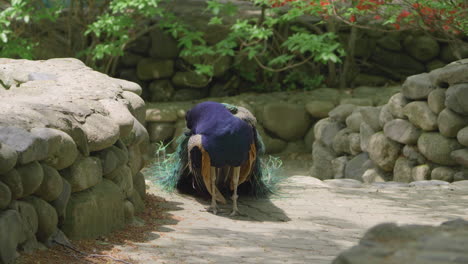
{"points": [[219, 154]]}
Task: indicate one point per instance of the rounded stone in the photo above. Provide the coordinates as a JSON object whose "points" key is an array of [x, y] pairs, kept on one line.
{"points": [[47, 218], [5, 196], [13, 180], [462, 136], [460, 156], [31, 176], [403, 170], [421, 115], [455, 98], [51, 185], [370, 115], [287, 121], [84, 173], [450, 123], [396, 104], [326, 129], [437, 148], [341, 112], [62, 150], [383, 151], [443, 174], [354, 121], [160, 90], [417, 87], [190, 79], [421, 173], [101, 132], [8, 157], [422, 48], [402, 131], [319, 109], [160, 131], [436, 100], [148, 69], [341, 141], [385, 115]]}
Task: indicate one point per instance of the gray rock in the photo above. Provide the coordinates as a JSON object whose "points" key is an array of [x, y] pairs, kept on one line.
{"points": [[338, 166], [322, 166], [46, 216], [163, 45], [137, 135], [402, 131], [95, 212], [149, 69], [309, 139], [450, 123], [160, 90], [137, 202], [120, 115], [325, 130], [135, 161], [373, 175], [357, 101], [101, 132], [456, 98], [421, 173], [319, 109], [443, 174], [62, 150], [160, 131], [8, 158], [354, 121], [388, 243], [383, 151], [111, 158], [385, 115], [124, 180], [51, 185], [461, 176], [139, 184], [412, 153], [422, 48], [159, 113], [396, 104], [12, 235], [370, 115], [272, 145], [31, 176], [462, 136], [84, 173], [13, 180], [287, 121], [190, 79], [436, 100], [5, 195], [28, 146], [460, 156], [400, 62], [402, 171], [356, 167], [437, 148], [421, 115], [60, 204], [354, 143], [29, 219], [454, 73], [341, 112], [187, 94], [365, 133], [341, 141], [129, 211], [418, 87], [136, 106]]}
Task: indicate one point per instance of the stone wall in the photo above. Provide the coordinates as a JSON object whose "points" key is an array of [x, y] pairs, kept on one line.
{"points": [[420, 134], [72, 143], [285, 120], [153, 61]]}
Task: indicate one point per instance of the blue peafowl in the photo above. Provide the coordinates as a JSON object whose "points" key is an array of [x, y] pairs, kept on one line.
{"points": [[219, 154]]}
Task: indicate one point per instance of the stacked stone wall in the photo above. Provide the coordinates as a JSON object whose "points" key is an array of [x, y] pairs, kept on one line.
{"points": [[72, 143], [420, 134]]}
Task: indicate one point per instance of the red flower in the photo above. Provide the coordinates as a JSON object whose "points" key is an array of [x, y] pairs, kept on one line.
{"points": [[352, 18]]}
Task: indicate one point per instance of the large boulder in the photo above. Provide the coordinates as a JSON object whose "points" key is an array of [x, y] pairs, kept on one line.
{"points": [[341, 112], [287, 121], [454, 73], [28, 146], [323, 157], [326, 129], [437, 148], [456, 98], [396, 104]]}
